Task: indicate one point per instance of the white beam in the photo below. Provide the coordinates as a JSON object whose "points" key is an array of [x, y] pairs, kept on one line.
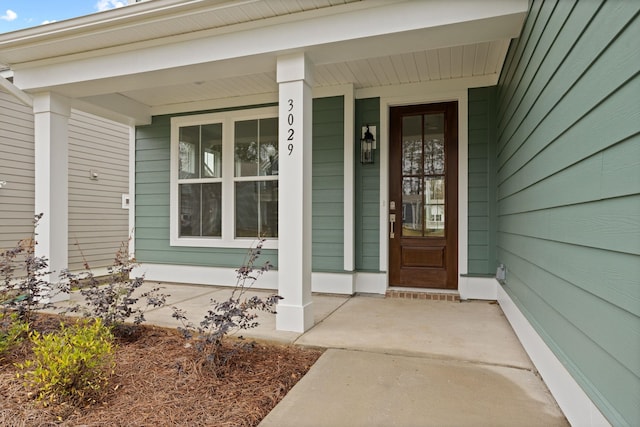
{"points": [[294, 204], [23, 97], [118, 108]]}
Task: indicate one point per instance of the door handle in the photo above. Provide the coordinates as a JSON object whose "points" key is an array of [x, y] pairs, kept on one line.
{"points": [[392, 222]]}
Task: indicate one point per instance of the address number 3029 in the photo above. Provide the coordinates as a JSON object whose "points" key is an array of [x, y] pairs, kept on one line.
{"points": [[290, 121]]}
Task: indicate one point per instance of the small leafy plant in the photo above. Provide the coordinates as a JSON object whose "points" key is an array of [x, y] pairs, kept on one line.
{"points": [[24, 286], [236, 313], [12, 331], [113, 299], [73, 364]]}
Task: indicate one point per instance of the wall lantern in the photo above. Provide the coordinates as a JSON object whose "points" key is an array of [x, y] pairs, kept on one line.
{"points": [[367, 144]]}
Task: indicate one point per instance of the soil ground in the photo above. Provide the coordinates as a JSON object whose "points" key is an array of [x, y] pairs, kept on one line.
{"points": [[160, 380]]}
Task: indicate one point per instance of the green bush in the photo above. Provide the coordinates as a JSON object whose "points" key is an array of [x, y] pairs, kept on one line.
{"points": [[12, 331], [73, 364]]}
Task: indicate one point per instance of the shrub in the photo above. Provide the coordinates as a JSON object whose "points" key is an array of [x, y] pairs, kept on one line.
{"points": [[236, 313], [73, 364], [112, 299], [12, 331], [25, 289]]}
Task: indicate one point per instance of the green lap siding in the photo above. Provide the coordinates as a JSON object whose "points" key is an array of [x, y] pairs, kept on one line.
{"points": [[152, 196], [367, 192], [481, 203], [328, 184], [568, 191]]}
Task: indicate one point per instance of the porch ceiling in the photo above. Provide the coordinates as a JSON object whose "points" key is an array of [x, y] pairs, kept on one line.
{"points": [[471, 60], [158, 56]]}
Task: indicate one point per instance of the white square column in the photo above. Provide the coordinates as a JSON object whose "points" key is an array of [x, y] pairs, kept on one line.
{"points": [[294, 205], [51, 120]]}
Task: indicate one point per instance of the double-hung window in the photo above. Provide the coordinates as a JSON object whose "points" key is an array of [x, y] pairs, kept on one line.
{"points": [[224, 178]]}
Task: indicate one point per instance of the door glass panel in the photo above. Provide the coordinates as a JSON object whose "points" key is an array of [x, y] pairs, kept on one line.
{"points": [[411, 145], [423, 179], [411, 206], [434, 206], [434, 144]]}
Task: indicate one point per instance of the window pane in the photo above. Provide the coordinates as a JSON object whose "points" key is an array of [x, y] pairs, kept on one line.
{"points": [[189, 152], [268, 143], [256, 147], [246, 148], [257, 209], [211, 137], [200, 210]]}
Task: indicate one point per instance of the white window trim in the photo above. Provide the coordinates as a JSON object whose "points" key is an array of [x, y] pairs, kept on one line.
{"points": [[227, 118]]}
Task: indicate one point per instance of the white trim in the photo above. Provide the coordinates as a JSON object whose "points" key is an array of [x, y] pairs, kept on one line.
{"points": [[331, 283], [481, 288], [414, 92], [215, 276], [349, 181], [132, 191], [428, 93], [228, 118], [574, 402], [371, 283], [216, 104]]}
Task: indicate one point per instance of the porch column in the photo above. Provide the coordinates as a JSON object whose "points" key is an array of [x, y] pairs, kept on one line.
{"points": [[294, 205], [51, 116]]}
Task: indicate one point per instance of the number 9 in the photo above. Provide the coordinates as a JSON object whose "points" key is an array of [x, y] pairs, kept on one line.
{"points": [[290, 147]]}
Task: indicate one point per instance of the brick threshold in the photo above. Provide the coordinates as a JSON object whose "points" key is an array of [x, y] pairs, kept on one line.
{"points": [[432, 295]]}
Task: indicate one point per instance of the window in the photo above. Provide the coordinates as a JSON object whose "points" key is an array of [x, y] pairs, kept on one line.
{"points": [[224, 178]]}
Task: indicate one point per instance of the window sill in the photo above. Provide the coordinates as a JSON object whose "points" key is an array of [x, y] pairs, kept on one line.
{"points": [[207, 242]]}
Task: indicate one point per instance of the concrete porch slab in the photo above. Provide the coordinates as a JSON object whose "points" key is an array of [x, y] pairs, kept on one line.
{"points": [[473, 331], [347, 388]]}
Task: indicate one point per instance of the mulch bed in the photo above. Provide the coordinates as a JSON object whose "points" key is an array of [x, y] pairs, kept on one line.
{"points": [[160, 381]]}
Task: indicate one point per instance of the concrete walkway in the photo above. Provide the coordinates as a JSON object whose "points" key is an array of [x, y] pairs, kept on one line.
{"points": [[397, 362]]}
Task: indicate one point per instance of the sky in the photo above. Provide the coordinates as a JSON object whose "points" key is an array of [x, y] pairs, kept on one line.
{"points": [[19, 14]]}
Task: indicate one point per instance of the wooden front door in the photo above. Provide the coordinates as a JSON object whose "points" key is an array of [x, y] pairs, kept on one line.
{"points": [[423, 196]]}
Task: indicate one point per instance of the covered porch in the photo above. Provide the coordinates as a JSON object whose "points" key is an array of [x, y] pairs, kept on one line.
{"points": [[151, 62]]}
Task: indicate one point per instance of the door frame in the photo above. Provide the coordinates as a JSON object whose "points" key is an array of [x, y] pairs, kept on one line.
{"points": [[398, 97], [447, 277]]}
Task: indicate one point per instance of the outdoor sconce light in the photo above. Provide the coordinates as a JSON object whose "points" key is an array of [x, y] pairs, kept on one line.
{"points": [[367, 144]]}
